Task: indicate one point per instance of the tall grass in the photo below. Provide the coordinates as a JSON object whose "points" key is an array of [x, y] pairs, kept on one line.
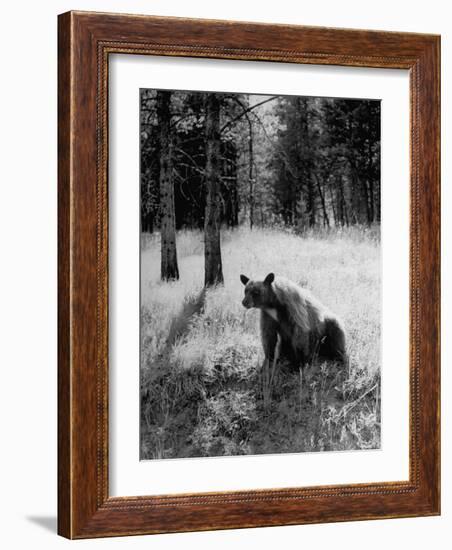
{"points": [[204, 388]]}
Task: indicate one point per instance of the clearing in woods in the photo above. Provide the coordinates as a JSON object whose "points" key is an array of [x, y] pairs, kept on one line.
{"points": [[203, 392]]}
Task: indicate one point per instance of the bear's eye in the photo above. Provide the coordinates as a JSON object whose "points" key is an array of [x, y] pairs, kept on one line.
{"points": [[254, 293]]}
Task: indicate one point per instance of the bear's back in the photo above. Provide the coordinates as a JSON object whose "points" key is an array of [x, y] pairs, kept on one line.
{"points": [[299, 305]]}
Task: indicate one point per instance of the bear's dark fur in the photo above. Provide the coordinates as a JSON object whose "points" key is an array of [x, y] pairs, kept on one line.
{"points": [[290, 314]]}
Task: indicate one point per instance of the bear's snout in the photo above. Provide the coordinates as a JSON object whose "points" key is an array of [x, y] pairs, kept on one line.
{"points": [[246, 304]]}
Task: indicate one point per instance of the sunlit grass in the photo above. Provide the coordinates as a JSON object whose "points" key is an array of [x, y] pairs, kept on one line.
{"points": [[201, 380]]}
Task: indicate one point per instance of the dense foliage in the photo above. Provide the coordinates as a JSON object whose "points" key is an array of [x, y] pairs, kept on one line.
{"points": [[298, 161]]}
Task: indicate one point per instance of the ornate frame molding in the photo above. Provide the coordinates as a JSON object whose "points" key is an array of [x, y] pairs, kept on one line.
{"points": [[85, 42]]}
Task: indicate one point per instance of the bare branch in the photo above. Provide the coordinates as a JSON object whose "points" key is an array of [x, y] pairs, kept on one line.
{"points": [[245, 111]]}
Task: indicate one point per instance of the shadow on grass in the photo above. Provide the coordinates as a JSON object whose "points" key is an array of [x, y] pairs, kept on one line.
{"points": [[192, 305]]}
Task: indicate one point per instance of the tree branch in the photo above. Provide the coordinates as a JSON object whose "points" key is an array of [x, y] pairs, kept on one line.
{"points": [[245, 111]]}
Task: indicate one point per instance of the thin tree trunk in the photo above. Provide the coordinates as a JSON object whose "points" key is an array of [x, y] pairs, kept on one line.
{"points": [[365, 187], [250, 174], [169, 268], [344, 202], [370, 185], [371, 201], [311, 201], [213, 273], [235, 195], [369, 170], [322, 200], [340, 201], [305, 155], [332, 203], [230, 175]]}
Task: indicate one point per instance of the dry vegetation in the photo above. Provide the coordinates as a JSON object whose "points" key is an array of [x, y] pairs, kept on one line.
{"points": [[203, 392]]}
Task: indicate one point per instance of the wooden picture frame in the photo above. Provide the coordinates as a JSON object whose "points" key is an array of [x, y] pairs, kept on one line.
{"points": [[85, 42]]}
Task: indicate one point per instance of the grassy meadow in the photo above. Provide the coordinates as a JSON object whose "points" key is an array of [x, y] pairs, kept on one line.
{"points": [[203, 392]]}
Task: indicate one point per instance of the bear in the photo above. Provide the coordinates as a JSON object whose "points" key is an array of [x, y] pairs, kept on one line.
{"points": [[294, 324]]}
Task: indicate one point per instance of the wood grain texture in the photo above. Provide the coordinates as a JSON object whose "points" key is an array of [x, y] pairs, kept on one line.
{"points": [[85, 42], [64, 295]]}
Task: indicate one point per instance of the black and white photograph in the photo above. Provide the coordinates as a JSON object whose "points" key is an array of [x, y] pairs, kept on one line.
{"points": [[260, 292], [224, 235]]}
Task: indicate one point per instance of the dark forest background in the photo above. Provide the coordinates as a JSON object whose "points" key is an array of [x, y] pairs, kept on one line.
{"points": [[298, 161]]}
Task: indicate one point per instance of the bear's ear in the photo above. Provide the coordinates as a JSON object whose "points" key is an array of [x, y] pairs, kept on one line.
{"points": [[244, 279], [269, 278]]}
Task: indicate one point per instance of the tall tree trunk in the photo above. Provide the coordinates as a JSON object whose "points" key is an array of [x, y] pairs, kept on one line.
{"points": [[326, 220], [305, 156], [332, 201], [311, 201], [213, 273], [169, 268], [371, 201], [250, 172], [370, 174], [341, 202], [235, 195], [371, 182], [229, 189], [365, 186], [344, 202]]}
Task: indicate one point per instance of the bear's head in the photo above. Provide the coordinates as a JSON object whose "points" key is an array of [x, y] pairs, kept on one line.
{"points": [[258, 293]]}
